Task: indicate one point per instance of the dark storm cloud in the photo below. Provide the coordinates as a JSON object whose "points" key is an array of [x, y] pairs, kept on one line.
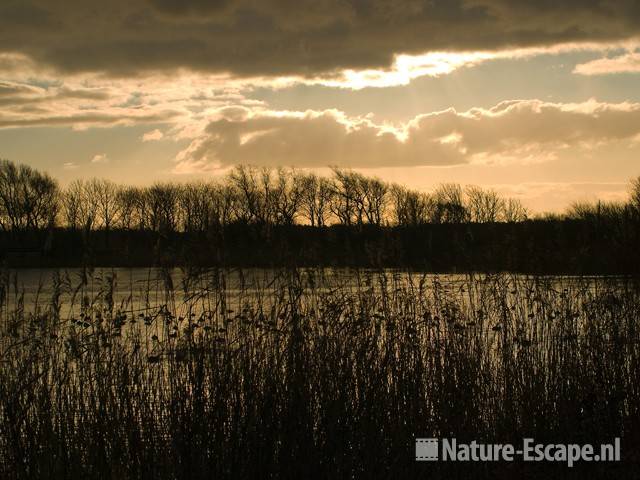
{"points": [[303, 37], [23, 15]]}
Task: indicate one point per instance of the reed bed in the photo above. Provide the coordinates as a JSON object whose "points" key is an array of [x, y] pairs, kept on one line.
{"points": [[308, 375]]}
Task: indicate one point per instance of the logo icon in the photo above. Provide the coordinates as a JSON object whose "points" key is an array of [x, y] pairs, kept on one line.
{"points": [[426, 449]]}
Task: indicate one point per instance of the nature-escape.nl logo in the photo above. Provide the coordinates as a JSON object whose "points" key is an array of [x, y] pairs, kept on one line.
{"points": [[450, 450]]}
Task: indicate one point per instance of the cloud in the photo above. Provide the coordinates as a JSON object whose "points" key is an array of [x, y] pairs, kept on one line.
{"points": [[100, 158], [518, 131], [27, 101], [184, 7], [69, 166], [13, 89], [78, 120], [627, 63], [305, 38], [152, 136], [406, 68]]}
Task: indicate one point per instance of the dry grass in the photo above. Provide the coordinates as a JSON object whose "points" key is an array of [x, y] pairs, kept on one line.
{"points": [[308, 377]]}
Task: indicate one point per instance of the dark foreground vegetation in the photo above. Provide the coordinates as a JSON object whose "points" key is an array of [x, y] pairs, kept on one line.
{"points": [[261, 217], [534, 246], [305, 378]]}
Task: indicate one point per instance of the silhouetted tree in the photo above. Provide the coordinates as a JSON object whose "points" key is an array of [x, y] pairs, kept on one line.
{"points": [[251, 205], [79, 206], [286, 196], [344, 193], [315, 200], [225, 204], [375, 195], [410, 208], [448, 204], [104, 194], [194, 205], [161, 207], [358, 199], [483, 206], [28, 198], [514, 211], [127, 200]]}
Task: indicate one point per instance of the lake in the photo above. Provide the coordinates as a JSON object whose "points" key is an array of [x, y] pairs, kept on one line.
{"points": [[186, 291]]}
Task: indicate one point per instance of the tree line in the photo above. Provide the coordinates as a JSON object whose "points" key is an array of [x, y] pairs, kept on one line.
{"points": [[30, 199], [273, 217]]}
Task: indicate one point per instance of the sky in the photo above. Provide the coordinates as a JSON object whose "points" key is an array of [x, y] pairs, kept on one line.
{"points": [[537, 99]]}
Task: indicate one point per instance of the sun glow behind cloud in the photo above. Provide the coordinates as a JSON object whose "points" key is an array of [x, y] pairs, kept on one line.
{"points": [[519, 132], [406, 68], [33, 95], [183, 104]]}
